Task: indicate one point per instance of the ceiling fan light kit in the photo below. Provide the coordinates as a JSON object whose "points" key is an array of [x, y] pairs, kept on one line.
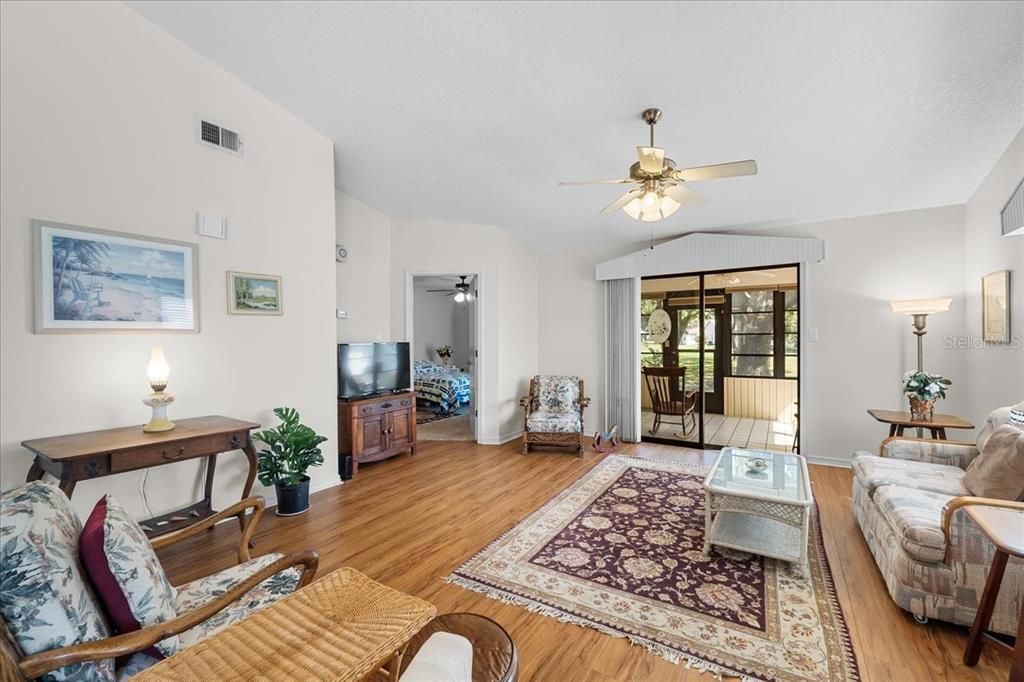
{"points": [[461, 291], [661, 191]]}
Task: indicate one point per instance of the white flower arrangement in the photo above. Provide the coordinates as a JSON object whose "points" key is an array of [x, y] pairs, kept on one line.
{"points": [[925, 386]]}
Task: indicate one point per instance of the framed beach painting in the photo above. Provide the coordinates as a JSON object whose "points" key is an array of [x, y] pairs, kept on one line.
{"points": [[91, 280], [995, 307], [252, 294]]}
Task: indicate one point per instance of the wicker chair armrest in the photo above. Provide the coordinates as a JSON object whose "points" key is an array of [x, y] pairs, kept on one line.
{"points": [[951, 507], [927, 450], [43, 662], [256, 503]]}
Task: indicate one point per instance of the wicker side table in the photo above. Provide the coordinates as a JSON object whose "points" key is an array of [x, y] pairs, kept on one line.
{"points": [[342, 627]]}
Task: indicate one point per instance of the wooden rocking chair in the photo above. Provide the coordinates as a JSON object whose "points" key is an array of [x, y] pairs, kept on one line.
{"points": [[669, 397]]}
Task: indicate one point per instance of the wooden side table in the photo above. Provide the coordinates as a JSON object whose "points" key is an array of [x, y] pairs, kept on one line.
{"points": [[1005, 529], [900, 421], [80, 456]]}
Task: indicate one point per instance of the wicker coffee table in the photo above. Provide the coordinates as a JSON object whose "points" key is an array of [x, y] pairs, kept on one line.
{"points": [[342, 627], [759, 502]]}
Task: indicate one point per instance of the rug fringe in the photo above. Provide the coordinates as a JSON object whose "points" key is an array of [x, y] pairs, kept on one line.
{"points": [[668, 653]]}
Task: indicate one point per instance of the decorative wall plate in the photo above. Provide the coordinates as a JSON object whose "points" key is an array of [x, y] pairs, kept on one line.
{"points": [[659, 326]]}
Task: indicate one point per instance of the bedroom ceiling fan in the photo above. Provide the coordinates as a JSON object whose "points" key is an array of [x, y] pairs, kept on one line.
{"points": [[661, 190], [461, 291]]}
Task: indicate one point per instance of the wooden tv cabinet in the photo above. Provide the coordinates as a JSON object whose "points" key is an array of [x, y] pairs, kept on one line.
{"points": [[377, 427]]}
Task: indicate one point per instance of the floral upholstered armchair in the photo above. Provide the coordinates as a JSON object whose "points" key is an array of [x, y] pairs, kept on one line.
{"points": [[55, 625], [553, 412], [909, 502]]}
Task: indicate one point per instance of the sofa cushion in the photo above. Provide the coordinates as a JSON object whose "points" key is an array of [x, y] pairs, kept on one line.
{"points": [[1017, 415], [878, 471], [558, 393], [999, 470], [553, 422], [204, 590], [993, 421], [126, 573], [135, 664], [916, 518], [45, 599]]}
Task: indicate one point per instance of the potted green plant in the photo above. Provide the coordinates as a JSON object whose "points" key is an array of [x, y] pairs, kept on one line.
{"points": [[293, 448], [924, 389]]}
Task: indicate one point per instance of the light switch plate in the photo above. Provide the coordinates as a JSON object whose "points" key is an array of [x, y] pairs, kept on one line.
{"points": [[342, 314], [211, 225]]}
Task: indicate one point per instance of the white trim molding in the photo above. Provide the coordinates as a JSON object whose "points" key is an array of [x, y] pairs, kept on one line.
{"points": [[704, 251]]}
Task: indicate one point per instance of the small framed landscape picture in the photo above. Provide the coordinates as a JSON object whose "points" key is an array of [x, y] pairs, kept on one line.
{"points": [[89, 280], [251, 294], [995, 307]]}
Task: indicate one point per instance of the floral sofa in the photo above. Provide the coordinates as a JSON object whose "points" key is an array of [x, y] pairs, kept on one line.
{"points": [[908, 502], [55, 628], [553, 412]]}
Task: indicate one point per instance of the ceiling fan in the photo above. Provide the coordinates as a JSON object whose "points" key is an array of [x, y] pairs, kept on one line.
{"points": [[461, 291], [661, 188]]}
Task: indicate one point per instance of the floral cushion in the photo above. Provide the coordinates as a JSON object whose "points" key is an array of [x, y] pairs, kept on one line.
{"points": [[134, 665], [198, 592], [550, 422], [878, 471], [558, 393], [45, 600], [915, 517], [126, 573]]}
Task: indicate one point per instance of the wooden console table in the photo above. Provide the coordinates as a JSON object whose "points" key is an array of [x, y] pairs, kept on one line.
{"points": [[900, 421], [82, 456]]}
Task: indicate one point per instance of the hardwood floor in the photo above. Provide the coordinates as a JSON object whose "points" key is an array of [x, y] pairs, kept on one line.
{"points": [[409, 521]]}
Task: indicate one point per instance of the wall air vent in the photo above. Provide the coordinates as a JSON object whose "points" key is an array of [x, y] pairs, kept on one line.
{"points": [[215, 135], [1012, 215]]}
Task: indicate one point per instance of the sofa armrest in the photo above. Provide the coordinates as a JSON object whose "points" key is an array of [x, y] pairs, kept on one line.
{"points": [[949, 452], [957, 503], [43, 662], [256, 503]]}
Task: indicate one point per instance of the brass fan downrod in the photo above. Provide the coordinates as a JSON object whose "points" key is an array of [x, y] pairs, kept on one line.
{"points": [[651, 117]]}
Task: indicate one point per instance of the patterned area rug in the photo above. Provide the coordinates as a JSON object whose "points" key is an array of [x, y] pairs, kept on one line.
{"points": [[428, 413], [620, 551]]}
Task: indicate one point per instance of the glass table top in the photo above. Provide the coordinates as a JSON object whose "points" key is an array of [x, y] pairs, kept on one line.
{"points": [[768, 475]]}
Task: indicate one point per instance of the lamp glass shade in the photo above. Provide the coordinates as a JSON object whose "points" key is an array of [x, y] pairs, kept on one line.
{"points": [[460, 297], [633, 209], [921, 306], [157, 370]]}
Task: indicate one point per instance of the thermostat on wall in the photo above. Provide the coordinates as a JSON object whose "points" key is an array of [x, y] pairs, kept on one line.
{"points": [[211, 225]]}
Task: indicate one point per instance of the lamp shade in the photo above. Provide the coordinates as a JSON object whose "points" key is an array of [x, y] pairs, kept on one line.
{"points": [[157, 370], [921, 306]]}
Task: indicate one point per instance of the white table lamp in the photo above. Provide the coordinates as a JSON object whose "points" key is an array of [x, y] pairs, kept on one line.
{"points": [[158, 370]]}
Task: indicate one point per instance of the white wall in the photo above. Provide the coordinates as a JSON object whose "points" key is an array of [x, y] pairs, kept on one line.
{"points": [[434, 322], [97, 128], [363, 281], [995, 373], [507, 306]]}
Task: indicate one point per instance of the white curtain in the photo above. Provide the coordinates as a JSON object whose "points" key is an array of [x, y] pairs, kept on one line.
{"points": [[622, 357]]}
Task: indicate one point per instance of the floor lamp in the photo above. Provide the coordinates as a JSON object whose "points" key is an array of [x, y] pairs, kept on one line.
{"points": [[920, 309]]}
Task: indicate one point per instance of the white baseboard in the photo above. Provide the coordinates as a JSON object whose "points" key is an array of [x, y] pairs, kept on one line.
{"points": [[841, 463], [502, 438]]}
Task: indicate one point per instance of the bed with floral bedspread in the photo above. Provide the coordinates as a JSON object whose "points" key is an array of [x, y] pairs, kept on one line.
{"points": [[446, 387]]}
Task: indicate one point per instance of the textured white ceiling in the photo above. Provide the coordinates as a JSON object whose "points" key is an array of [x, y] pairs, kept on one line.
{"points": [[472, 112]]}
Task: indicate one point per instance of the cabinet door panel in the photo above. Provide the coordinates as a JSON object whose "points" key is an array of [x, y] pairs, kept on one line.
{"points": [[370, 431], [399, 429]]}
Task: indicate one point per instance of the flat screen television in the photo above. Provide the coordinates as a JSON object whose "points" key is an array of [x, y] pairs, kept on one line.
{"points": [[373, 368]]}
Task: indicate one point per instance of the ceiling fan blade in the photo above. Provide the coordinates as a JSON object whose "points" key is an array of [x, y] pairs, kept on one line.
{"points": [[686, 196], [623, 200], [718, 170], [599, 182], [652, 159]]}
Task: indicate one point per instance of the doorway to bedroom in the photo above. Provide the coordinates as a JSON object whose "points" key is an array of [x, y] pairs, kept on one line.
{"points": [[445, 314]]}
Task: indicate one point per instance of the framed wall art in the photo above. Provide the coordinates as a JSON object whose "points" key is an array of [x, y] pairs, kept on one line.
{"points": [[90, 280], [995, 307], [251, 294]]}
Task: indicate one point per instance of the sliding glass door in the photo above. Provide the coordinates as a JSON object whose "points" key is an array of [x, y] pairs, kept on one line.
{"points": [[720, 358]]}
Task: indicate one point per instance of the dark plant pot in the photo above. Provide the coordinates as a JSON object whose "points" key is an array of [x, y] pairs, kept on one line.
{"points": [[293, 499]]}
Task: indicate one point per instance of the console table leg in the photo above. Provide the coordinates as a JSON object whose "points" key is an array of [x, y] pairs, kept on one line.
{"points": [[250, 453], [35, 472], [211, 466]]}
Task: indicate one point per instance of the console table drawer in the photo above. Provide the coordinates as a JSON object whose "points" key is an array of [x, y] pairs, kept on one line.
{"points": [[166, 453], [390, 405]]}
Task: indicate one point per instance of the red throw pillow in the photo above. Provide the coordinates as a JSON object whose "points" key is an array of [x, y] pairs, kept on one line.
{"points": [[93, 547]]}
